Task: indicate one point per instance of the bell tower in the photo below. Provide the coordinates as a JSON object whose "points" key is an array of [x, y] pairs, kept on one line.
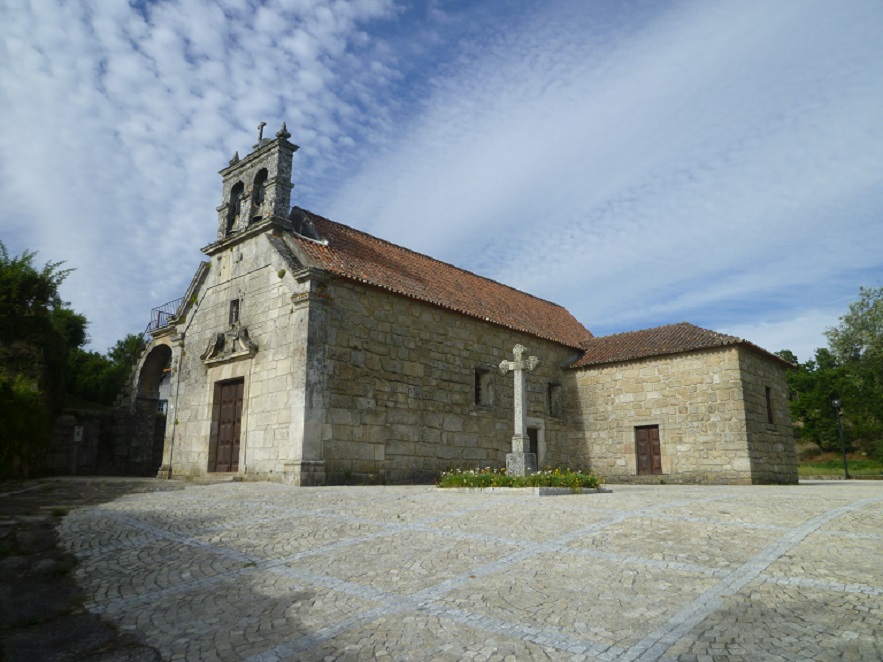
{"points": [[257, 188]]}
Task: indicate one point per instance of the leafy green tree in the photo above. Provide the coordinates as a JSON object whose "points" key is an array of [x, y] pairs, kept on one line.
{"points": [[37, 333], [99, 378], [35, 321], [813, 386], [851, 370], [69, 327], [26, 426], [127, 351], [857, 344], [26, 291], [859, 336], [788, 355]]}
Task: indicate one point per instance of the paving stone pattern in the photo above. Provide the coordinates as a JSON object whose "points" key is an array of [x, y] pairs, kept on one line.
{"points": [[265, 572]]}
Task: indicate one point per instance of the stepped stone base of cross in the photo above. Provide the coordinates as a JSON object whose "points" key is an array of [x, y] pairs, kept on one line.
{"points": [[521, 464]]}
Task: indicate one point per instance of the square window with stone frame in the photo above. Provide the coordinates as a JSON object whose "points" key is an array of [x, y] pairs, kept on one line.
{"points": [[555, 400], [484, 388]]}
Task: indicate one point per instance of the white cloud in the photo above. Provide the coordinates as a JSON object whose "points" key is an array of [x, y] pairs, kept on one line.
{"points": [[115, 123], [802, 334], [640, 164], [641, 171]]}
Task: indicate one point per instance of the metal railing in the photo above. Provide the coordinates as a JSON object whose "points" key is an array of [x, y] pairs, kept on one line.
{"points": [[162, 315]]}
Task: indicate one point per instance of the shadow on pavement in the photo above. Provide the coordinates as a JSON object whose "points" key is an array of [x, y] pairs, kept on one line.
{"points": [[41, 608]]}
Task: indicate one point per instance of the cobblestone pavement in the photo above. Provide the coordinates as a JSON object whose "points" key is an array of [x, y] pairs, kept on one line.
{"points": [[260, 572]]}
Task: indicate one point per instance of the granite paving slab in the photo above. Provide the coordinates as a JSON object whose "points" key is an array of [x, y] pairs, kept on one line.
{"points": [[263, 572]]}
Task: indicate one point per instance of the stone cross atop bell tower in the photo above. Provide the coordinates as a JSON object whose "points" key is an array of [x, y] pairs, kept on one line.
{"points": [[257, 187]]}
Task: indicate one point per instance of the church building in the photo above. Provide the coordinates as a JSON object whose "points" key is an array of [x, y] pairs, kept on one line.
{"points": [[309, 352]]}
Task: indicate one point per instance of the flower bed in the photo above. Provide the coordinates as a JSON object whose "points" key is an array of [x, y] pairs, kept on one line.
{"points": [[575, 481]]}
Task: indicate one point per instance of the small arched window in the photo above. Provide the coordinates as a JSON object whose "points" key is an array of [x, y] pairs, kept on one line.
{"points": [[257, 205], [235, 207]]}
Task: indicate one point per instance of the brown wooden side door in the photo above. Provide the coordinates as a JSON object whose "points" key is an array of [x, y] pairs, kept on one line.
{"points": [[648, 451], [229, 426]]}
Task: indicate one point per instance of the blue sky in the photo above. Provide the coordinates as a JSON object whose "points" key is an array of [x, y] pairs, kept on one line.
{"points": [[640, 163]]}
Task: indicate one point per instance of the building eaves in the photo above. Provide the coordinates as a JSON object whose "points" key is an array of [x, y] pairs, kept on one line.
{"points": [[363, 258], [658, 341]]}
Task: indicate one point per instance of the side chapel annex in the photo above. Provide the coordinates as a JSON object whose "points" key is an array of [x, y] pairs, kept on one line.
{"points": [[309, 352]]}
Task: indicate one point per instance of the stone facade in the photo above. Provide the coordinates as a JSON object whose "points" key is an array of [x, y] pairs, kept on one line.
{"points": [[327, 355], [768, 423], [709, 406], [386, 392], [401, 390], [254, 275]]}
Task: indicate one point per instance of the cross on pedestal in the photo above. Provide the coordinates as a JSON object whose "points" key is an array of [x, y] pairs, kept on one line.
{"points": [[520, 461]]}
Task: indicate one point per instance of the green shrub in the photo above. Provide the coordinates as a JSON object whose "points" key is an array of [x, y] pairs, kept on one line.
{"points": [[576, 481], [26, 429]]}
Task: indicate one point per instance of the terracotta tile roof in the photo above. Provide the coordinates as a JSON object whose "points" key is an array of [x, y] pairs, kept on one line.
{"points": [[361, 257], [659, 341]]}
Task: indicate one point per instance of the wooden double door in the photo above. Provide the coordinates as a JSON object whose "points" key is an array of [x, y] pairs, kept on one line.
{"points": [[647, 450], [228, 426]]}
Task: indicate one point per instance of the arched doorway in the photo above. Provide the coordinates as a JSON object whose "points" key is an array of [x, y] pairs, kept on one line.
{"points": [[151, 408]]}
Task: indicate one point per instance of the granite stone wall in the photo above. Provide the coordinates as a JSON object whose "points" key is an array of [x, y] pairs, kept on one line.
{"points": [[124, 441], [401, 379], [708, 405], [82, 444], [770, 443], [345, 382], [253, 273]]}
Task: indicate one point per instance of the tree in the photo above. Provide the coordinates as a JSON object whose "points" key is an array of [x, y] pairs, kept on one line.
{"points": [[850, 370], [99, 378], [26, 291], [859, 336], [127, 351], [37, 332], [813, 386], [42, 360], [857, 344], [788, 356]]}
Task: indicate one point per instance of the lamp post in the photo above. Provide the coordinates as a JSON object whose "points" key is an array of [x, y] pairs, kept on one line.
{"points": [[838, 407]]}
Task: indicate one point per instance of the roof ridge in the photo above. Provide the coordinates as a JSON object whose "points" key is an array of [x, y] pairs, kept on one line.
{"points": [[666, 326], [434, 259], [657, 341]]}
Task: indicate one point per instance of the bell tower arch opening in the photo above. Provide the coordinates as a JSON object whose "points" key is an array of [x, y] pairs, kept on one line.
{"points": [[258, 195], [234, 208], [257, 187]]}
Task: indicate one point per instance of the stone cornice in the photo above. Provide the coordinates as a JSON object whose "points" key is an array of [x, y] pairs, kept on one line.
{"points": [[245, 162], [272, 223]]}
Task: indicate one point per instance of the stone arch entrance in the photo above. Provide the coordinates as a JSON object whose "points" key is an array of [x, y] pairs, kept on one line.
{"points": [[150, 407]]}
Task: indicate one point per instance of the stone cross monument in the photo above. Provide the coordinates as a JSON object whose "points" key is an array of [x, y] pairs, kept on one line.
{"points": [[520, 461]]}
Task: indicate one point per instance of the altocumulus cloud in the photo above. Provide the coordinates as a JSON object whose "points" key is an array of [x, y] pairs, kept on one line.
{"points": [[116, 118], [715, 162]]}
